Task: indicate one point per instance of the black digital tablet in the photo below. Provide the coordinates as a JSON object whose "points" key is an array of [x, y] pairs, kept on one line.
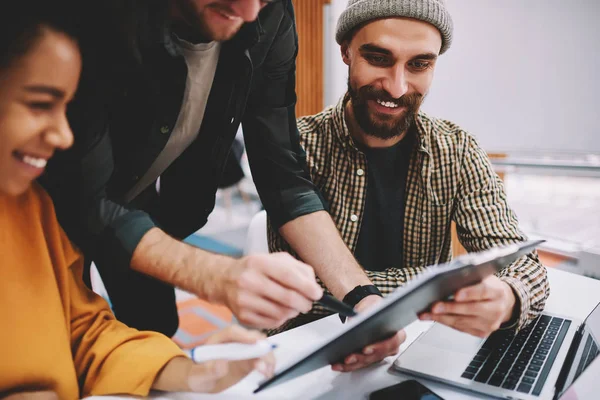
{"points": [[400, 308]]}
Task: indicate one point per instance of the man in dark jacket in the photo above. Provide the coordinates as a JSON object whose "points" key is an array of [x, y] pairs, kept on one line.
{"points": [[164, 88]]}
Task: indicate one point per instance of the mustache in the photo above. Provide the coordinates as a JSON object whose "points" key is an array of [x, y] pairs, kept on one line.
{"points": [[223, 8], [410, 100]]}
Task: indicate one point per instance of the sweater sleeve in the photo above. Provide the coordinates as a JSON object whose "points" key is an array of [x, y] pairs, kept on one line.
{"points": [[109, 357]]}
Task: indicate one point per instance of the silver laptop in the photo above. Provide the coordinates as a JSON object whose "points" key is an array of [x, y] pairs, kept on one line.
{"points": [[540, 362]]}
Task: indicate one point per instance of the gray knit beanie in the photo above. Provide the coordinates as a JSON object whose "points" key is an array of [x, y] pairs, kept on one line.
{"points": [[360, 11]]}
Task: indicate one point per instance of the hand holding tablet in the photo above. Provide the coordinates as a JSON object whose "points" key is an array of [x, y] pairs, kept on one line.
{"points": [[400, 308]]}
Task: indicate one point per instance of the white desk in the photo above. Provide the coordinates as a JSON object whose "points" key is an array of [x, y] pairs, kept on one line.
{"points": [[571, 295]]}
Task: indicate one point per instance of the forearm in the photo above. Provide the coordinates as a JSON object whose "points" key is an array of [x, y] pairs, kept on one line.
{"points": [[485, 220], [392, 278], [173, 376], [169, 260], [528, 280], [318, 243]]}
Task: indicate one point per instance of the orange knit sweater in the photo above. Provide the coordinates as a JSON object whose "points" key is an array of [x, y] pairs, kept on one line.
{"points": [[55, 334]]}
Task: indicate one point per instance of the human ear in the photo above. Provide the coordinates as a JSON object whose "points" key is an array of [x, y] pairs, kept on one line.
{"points": [[345, 50]]}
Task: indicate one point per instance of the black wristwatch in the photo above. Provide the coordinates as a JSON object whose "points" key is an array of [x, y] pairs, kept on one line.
{"points": [[357, 294]]}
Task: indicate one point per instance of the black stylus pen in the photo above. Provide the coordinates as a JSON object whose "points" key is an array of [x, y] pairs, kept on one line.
{"points": [[333, 304]]}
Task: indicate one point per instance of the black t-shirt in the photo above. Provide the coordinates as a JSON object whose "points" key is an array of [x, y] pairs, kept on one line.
{"points": [[381, 233]]}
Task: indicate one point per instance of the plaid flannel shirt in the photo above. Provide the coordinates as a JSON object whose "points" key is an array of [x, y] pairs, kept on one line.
{"points": [[450, 178]]}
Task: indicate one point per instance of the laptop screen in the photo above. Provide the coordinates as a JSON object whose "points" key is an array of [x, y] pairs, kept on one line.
{"points": [[584, 349]]}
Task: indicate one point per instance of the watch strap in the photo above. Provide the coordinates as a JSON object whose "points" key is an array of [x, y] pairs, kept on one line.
{"points": [[355, 296]]}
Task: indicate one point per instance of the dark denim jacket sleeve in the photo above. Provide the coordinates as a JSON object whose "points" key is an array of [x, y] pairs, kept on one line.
{"points": [[77, 180], [277, 160]]}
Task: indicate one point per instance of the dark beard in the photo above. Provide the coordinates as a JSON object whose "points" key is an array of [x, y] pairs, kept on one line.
{"points": [[383, 126], [193, 28]]}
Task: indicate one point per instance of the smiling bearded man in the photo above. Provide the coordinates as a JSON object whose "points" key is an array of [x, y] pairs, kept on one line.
{"points": [[395, 178]]}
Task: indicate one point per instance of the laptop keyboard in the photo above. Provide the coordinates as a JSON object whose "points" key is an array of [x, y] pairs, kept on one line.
{"points": [[519, 362]]}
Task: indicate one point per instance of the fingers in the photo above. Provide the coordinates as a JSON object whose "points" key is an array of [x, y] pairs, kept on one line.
{"points": [[485, 290], [259, 310], [356, 362], [293, 274], [218, 375], [238, 370], [266, 365], [470, 308], [204, 377], [260, 302], [255, 311], [258, 321], [254, 317], [215, 376], [300, 267], [267, 290], [275, 293], [386, 347], [371, 354], [235, 333], [479, 318]]}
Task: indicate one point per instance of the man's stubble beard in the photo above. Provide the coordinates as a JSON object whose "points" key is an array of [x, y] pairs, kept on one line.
{"points": [[395, 126], [196, 29]]}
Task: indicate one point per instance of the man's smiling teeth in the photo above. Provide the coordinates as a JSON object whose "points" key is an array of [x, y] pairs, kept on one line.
{"points": [[388, 104], [34, 162], [226, 15]]}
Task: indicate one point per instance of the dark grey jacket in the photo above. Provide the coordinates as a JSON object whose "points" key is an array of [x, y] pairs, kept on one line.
{"points": [[128, 101]]}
